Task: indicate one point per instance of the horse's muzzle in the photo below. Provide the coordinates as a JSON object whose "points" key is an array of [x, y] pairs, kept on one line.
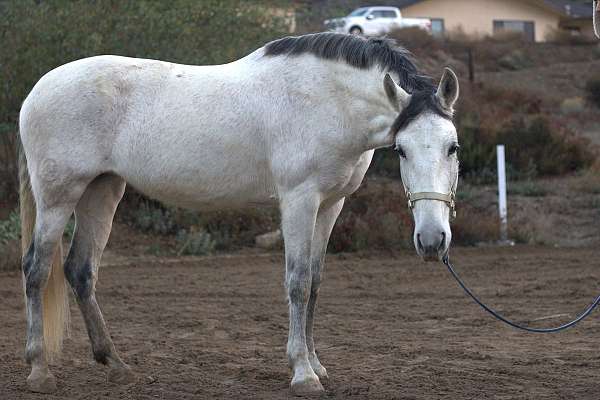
{"points": [[431, 246]]}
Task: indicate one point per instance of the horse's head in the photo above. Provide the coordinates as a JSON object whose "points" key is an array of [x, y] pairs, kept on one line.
{"points": [[427, 143]]}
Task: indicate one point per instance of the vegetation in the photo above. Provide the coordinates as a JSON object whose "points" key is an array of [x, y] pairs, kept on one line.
{"points": [[196, 243], [10, 228], [10, 249], [592, 89], [38, 36]]}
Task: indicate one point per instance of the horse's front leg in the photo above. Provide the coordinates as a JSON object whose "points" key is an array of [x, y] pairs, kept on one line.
{"points": [[298, 216], [326, 218]]}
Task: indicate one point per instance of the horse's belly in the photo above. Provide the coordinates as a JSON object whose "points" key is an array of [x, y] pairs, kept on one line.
{"points": [[207, 195], [205, 187]]}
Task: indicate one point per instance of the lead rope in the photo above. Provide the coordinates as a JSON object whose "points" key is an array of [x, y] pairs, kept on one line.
{"points": [[449, 199], [588, 311]]}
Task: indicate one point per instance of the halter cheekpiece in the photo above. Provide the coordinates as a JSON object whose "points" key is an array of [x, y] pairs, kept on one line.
{"points": [[448, 198]]}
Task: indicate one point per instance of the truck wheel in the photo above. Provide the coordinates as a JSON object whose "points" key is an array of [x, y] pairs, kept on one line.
{"points": [[355, 30]]}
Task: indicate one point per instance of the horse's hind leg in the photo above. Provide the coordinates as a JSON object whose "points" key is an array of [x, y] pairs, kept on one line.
{"points": [[54, 208], [94, 215]]}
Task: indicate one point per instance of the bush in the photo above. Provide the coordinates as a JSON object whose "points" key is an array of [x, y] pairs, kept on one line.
{"points": [[564, 37], [532, 142], [10, 247], [196, 243], [385, 163], [416, 39], [10, 228], [375, 217], [150, 217], [8, 163], [535, 145], [572, 105], [592, 89], [227, 229], [515, 60]]}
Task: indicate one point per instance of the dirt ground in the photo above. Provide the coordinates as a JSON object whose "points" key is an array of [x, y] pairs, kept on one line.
{"points": [[388, 327]]}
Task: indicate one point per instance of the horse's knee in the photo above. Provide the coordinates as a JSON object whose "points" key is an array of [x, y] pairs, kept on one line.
{"points": [[298, 284]]}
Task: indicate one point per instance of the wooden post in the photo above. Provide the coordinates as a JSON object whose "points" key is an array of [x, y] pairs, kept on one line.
{"points": [[471, 66]]}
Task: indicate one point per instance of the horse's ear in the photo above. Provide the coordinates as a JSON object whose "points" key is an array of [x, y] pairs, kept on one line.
{"points": [[447, 91], [395, 94]]}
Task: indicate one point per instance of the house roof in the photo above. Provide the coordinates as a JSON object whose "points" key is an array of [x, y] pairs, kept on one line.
{"points": [[566, 8]]}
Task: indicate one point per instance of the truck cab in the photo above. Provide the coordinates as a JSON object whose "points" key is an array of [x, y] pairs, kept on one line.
{"points": [[375, 21]]}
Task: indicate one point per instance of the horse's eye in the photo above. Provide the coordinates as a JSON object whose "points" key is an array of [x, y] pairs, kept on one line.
{"points": [[400, 151], [453, 149]]}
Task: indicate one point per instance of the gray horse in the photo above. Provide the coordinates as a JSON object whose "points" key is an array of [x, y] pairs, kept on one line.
{"points": [[293, 124]]}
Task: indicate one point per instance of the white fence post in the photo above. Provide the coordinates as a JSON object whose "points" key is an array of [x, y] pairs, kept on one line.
{"points": [[502, 193]]}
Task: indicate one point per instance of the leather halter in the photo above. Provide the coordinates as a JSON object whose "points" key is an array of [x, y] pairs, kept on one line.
{"points": [[448, 198]]}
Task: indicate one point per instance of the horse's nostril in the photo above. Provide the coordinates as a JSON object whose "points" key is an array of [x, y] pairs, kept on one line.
{"points": [[443, 242], [419, 244]]}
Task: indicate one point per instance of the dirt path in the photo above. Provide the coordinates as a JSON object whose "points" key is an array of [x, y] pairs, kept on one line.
{"points": [[389, 327]]}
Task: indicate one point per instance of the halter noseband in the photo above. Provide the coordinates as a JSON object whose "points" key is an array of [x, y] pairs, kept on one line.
{"points": [[448, 198]]}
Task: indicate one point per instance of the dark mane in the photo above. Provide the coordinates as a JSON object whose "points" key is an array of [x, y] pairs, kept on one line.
{"points": [[367, 53]]}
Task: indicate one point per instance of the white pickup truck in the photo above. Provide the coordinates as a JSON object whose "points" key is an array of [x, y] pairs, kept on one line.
{"points": [[375, 21]]}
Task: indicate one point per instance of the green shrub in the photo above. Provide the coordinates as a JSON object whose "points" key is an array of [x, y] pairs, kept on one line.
{"points": [[515, 60], [592, 89], [10, 248], [10, 228], [385, 163], [375, 217], [535, 144], [552, 150], [153, 218], [197, 243]]}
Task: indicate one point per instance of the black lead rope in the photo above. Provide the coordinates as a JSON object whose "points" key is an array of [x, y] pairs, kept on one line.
{"points": [[587, 312]]}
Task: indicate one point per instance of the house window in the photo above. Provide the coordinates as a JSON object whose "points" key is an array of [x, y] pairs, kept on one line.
{"points": [[437, 27], [527, 28]]}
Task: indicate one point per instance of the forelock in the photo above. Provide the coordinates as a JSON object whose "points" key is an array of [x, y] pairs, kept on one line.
{"points": [[420, 102]]}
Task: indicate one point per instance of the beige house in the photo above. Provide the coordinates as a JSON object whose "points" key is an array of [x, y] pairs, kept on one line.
{"points": [[536, 19]]}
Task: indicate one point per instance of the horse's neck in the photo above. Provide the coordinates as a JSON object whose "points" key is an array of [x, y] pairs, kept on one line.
{"points": [[357, 96], [366, 103]]}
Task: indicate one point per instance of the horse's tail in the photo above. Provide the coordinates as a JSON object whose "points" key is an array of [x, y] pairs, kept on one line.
{"points": [[55, 300]]}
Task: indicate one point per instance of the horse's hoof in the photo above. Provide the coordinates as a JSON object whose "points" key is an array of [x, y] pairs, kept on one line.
{"points": [[121, 375], [307, 387], [319, 369], [41, 383], [321, 372]]}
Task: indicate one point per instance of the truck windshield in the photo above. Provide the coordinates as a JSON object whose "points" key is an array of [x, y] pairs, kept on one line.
{"points": [[358, 12]]}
